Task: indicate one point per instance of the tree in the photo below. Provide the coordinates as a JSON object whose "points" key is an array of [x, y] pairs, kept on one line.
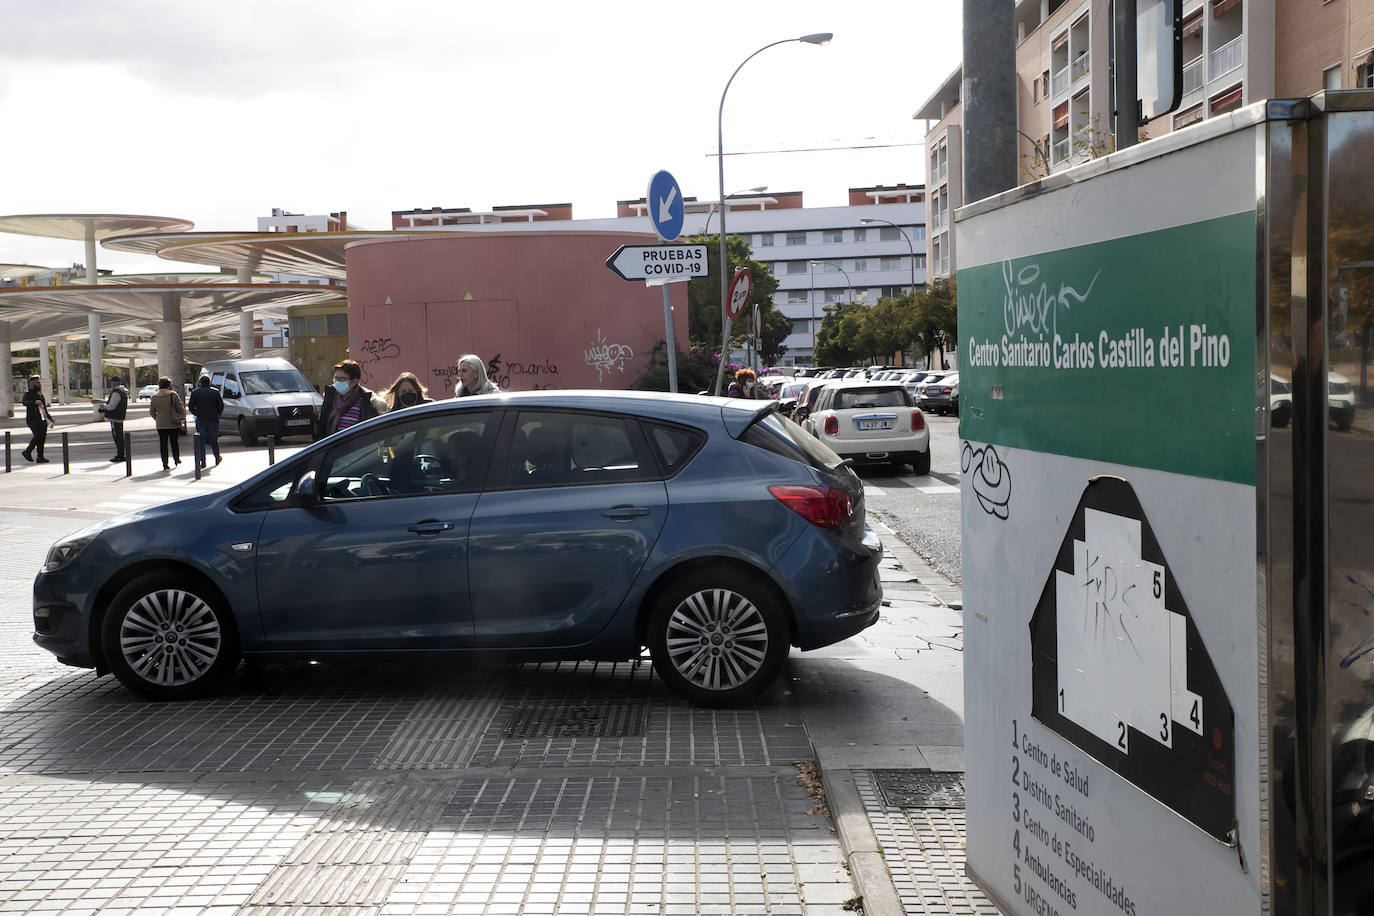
{"points": [[703, 297], [936, 319], [836, 341]]}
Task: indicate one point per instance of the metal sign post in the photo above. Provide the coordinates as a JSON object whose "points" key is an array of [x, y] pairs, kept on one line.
{"points": [[667, 213]]}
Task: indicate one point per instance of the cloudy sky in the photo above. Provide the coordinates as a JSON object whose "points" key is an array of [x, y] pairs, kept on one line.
{"points": [[217, 113]]}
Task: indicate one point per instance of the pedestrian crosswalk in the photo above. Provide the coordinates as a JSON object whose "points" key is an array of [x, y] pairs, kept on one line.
{"points": [[926, 484], [155, 494]]}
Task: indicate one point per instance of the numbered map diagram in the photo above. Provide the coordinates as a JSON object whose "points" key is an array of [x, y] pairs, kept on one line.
{"points": [[1118, 667]]}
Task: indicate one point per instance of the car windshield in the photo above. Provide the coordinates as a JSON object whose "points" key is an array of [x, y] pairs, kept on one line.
{"points": [[862, 398], [271, 381]]}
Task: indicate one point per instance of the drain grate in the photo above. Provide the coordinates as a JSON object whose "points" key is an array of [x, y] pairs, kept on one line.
{"points": [[920, 788], [566, 720]]}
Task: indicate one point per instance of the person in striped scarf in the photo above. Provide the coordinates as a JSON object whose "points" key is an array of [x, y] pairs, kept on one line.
{"points": [[347, 402]]}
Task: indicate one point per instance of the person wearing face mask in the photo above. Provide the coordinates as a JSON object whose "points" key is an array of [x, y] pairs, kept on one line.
{"points": [[745, 385], [406, 391], [37, 418], [347, 402]]}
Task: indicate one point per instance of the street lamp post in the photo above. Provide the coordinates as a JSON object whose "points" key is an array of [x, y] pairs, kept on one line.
{"points": [[910, 247], [720, 203], [818, 38], [849, 288]]}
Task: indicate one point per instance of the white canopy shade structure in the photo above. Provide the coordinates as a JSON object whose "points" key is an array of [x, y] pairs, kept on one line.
{"points": [[314, 254]]}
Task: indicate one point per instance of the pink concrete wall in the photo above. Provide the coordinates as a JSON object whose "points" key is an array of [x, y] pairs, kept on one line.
{"points": [[541, 308]]}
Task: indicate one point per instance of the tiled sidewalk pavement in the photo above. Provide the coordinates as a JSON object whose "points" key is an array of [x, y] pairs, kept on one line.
{"points": [[398, 789]]}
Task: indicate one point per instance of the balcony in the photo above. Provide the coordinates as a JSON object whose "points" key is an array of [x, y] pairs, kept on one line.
{"points": [[1193, 77], [1228, 57], [1059, 83], [1079, 68], [1059, 152]]}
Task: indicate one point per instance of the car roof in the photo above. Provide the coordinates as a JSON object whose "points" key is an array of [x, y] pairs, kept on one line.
{"points": [[736, 413], [863, 384]]}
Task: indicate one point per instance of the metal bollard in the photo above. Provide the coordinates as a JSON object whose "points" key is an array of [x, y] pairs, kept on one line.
{"points": [[66, 455], [196, 450], [271, 450], [128, 454], [8, 467]]}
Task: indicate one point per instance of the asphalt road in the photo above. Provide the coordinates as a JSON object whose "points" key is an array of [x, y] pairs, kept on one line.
{"points": [[924, 510]]}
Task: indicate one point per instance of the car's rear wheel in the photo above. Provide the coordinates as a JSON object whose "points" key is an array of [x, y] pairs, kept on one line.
{"points": [[922, 463], [717, 637], [166, 637], [246, 435]]}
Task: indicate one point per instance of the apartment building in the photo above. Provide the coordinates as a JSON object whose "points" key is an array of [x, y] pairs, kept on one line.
{"points": [[1235, 52], [874, 246]]}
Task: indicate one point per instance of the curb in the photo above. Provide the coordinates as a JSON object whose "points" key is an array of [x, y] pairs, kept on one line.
{"points": [[867, 867]]}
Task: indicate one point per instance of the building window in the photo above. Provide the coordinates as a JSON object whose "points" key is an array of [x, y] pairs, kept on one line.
{"points": [[1331, 78], [920, 262], [796, 295], [889, 234], [801, 325], [860, 264], [766, 240], [891, 263], [833, 296], [1191, 116], [832, 236], [860, 235], [796, 238], [337, 323], [796, 267], [918, 233], [1364, 72]]}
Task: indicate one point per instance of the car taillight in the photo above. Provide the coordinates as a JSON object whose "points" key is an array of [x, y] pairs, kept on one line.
{"points": [[825, 507], [918, 421], [832, 425]]}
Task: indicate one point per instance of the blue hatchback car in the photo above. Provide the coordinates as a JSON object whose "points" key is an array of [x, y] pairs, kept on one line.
{"points": [[537, 526]]}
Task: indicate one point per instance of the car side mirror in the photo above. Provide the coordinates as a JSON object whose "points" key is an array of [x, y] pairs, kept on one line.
{"points": [[305, 486]]}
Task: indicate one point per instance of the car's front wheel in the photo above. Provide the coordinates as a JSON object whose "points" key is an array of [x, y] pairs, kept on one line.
{"points": [[246, 435], [166, 637], [717, 638]]}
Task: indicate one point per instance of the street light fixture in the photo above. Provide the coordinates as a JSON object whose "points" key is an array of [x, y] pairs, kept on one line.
{"points": [[712, 212], [910, 247], [810, 296], [817, 38], [848, 286]]}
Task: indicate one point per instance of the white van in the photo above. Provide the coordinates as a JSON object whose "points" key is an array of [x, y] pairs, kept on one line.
{"points": [[264, 397]]}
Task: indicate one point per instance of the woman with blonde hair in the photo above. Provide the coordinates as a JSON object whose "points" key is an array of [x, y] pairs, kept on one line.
{"points": [[405, 392]]}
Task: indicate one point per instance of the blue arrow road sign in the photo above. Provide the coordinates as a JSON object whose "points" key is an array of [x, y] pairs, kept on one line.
{"points": [[665, 206]]}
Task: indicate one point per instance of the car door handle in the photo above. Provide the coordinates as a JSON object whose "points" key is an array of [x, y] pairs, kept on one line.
{"points": [[625, 513], [430, 526]]}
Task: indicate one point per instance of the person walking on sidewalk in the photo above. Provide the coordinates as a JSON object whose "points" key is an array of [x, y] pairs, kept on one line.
{"points": [[114, 409], [168, 413], [37, 417], [206, 405]]}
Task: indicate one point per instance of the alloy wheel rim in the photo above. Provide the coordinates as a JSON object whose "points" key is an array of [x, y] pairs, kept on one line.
{"points": [[170, 637], [717, 639]]}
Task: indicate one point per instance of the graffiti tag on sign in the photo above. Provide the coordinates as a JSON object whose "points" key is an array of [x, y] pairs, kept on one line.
{"points": [[604, 356]]}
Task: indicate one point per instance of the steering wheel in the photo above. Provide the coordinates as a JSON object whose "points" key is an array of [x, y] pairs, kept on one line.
{"points": [[370, 485]]}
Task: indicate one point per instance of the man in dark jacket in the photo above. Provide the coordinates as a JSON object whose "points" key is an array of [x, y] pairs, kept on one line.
{"points": [[36, 416], [206, 405], [114, 409]]}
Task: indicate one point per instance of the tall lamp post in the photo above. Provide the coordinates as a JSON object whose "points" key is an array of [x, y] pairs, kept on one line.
{"points": [[910, 247], [818, 38], [849, 288], [720, 203]]}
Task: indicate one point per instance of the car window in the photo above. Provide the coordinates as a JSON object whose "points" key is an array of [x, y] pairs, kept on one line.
{"points": [[430, 454], [274, 491], [268, 381], [563, 448], [867, 398], [674, 445], [231, 387], [786, 438]]}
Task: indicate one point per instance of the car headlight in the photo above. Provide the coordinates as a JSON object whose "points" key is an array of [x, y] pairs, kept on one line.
{"points": [[265, 412], [63, 552]]}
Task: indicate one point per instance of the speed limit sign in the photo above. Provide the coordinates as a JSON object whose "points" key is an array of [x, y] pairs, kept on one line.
{"points": [[739, 293]]}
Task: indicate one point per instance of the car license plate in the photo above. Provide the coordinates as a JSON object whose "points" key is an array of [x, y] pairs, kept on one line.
{"points": [[303, 421], [874, 424]]}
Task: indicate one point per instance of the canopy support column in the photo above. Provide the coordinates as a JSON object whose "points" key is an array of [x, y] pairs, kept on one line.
{"points": [[169, 352], [247, 340], [43, 372], [97, 358], [6, 371], [64, 372]]}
